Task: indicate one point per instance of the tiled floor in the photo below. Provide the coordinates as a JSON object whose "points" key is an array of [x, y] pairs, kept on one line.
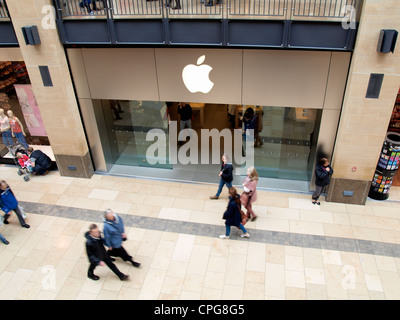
{"points": [[296, 250]]}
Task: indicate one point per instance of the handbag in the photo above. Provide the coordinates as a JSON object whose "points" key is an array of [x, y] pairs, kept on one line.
{"points": [[245, 198], [244, 216], [22, 211]]}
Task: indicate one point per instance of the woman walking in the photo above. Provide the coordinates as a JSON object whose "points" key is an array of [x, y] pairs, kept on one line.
{"points": [[232, 215], [249, 195], [323, 172]]}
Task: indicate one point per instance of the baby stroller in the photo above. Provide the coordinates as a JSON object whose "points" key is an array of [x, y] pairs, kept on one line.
{"points": [[25, 170]]}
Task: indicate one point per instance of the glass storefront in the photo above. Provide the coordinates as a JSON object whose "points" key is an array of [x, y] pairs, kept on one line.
{"points": [[126, 124], [284, 144]]}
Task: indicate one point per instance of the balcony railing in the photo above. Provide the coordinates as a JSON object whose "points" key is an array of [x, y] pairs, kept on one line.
{"points": [[325, 10], [3, 11]]}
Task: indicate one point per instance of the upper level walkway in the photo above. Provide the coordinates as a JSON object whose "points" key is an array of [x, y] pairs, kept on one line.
{"points": [[321, 10], [298, 24]]}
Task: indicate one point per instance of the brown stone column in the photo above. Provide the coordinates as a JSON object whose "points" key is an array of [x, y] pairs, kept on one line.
{"points": [[57, 104], [364, 122]]}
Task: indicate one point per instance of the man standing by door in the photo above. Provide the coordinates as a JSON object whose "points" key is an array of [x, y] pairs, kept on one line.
{"points": [[186, 113]]}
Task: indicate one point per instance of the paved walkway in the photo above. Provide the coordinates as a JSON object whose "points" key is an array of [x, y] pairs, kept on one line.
{"points": [[296, 250]]}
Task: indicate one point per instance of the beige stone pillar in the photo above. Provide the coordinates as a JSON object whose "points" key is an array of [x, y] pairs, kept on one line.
{"points": [[57, 104], [364, 122]]}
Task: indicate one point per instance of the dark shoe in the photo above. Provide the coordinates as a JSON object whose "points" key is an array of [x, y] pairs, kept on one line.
{"points": [[213, 197], [6, 242], [176, 8], [6, 216], [253, 219], [135, 264], [209, 4], [26, 226], [109, 255], [94, 277], [124, 277]]}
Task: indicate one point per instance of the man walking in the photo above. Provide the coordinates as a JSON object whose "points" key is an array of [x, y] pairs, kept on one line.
{"points": [[114, 234], [8, 203], [97, 254]]}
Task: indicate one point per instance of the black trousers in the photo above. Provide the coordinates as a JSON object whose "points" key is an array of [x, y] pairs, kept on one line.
{"points": [[109, 264], [120, 252], [317, 193], [19, 215]]}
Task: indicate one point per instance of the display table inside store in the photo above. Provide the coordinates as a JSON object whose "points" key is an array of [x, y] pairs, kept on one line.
{"points": [[305, 114]]}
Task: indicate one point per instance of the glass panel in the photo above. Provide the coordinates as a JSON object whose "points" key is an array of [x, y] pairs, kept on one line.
{"points": [[284, 146], [287, 142], [127, 125]]}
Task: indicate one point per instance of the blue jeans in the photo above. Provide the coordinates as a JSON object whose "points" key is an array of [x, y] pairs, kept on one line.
{"points": [[228, 229], [21, 139], [2, 239], [185, 124], [221, 185], [7, 138]]}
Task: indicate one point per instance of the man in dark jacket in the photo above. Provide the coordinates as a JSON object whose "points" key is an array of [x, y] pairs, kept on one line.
{"points": [[40, 161], [226, 175], [97, 254], [186, 113], [8, 203], [323, 172]]}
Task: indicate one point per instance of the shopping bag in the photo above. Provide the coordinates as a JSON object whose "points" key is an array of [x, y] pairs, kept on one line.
{"points": [[22, 211]]}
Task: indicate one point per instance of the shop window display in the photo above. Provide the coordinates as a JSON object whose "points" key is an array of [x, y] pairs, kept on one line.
{"points": [[20, 119], [394, 124]]}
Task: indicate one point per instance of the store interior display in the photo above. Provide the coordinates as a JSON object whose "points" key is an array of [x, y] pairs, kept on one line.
{"points": [[12, 73], [394, 124], [16, 99], [285, 141]]}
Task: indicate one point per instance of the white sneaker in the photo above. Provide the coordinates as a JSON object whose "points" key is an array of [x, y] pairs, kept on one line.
{"points": [[222, 236], [245, 235]]}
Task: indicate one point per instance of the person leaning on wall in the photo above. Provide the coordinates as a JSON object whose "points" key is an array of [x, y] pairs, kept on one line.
{"points": [[323, 173]]}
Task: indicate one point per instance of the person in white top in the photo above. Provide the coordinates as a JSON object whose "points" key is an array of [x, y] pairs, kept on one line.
{"points": [[5, 129]]}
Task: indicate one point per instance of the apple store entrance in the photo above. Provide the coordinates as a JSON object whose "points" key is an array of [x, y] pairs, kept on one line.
{"points": [[131, 134]]}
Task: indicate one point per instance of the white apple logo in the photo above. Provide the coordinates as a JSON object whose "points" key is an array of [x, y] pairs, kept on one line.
{"points": [[196, 78]]}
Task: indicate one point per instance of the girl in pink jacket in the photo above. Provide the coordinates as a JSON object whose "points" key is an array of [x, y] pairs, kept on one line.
{"points": [[249, 195]]}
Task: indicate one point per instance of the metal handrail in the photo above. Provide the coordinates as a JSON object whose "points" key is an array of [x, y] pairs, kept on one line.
{"points": [[3, 10], [322, 8], [266, 8], [280, 9]]}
